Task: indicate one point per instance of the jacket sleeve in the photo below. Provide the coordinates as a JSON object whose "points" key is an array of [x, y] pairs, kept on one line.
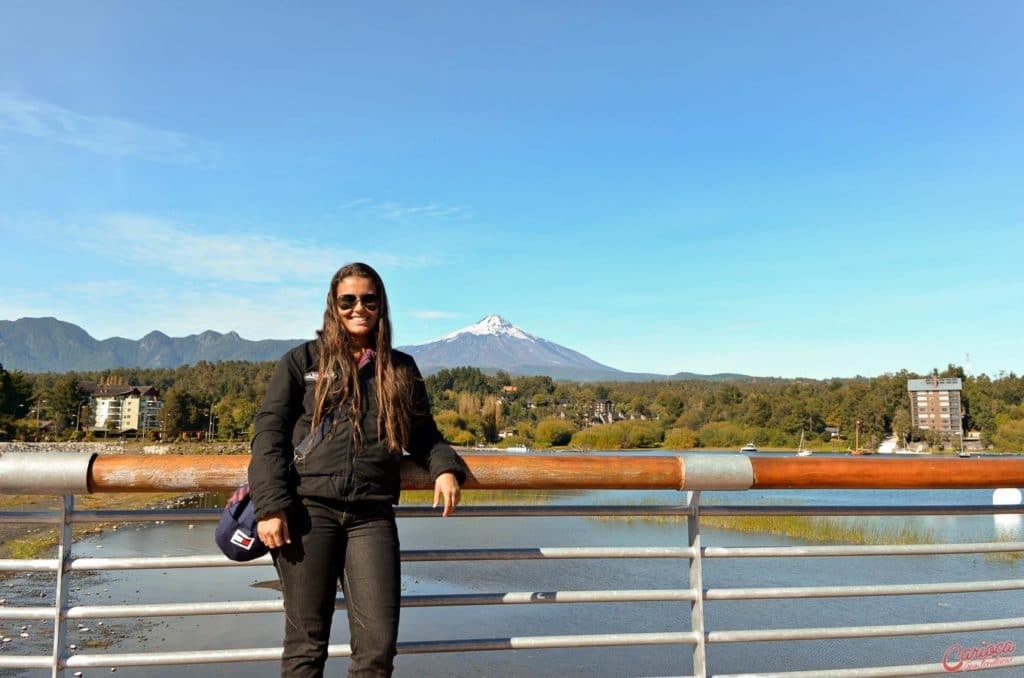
{"points": [[272, 438], [426, 445]]}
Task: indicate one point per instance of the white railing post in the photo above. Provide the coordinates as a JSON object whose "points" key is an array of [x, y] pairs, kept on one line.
{"points": [[697, 584], [60, 603]]}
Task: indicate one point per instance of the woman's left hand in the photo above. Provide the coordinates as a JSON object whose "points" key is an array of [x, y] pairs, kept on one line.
{"points": [[448, 487]]}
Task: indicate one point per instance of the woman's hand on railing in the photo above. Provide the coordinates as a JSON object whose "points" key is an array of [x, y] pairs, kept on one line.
{"points": [[447, 486], [273, 530]]}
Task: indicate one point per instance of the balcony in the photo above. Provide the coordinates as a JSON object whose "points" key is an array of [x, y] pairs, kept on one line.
{"points": [[693, 628]]}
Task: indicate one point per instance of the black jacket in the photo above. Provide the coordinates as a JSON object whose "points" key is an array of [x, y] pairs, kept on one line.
{"points": [[334, 469]]}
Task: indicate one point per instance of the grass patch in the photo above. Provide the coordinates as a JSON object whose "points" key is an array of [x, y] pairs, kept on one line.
{"points": [[481, 497], [815, 529], [822, 529], [1009, 557], [30, 546], [31, 542], [98, 643]]}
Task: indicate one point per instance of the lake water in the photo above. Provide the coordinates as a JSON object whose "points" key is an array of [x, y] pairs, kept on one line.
{"points": [[219, 584]]}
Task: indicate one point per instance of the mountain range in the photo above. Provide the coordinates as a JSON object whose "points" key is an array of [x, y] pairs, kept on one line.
{"points": [[493, 343], [51, 345]]}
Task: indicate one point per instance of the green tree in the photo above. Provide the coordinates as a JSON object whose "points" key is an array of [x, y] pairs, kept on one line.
{"points": [[64, 399], [182, 412], [491, 416], [235, 414], [1009, 434], [669, 405], [552, 431], [15, 395], [901, 423], [461, 379]]}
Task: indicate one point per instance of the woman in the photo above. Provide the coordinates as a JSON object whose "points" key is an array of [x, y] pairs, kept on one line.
{"points": [[324, 475]]}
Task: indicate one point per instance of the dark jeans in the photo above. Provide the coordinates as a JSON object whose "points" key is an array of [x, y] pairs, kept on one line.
{"points": [[356, 544]]}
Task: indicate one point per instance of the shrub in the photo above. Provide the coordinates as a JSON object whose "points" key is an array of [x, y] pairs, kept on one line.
{"points": [[680, 439], [553, 431], [620, 435]]}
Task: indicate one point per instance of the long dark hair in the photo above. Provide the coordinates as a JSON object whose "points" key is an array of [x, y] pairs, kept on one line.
{"points": [[337, 381]]}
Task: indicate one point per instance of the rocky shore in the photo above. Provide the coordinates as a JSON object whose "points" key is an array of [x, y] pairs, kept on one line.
{"points": [[122, 447], [114, 447]]}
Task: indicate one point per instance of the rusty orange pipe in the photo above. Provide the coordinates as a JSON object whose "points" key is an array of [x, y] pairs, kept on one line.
{"points": [[887, 473], [194, 473], [188, 473]]}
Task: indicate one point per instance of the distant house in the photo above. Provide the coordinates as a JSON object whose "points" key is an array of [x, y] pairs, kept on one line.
{"points": [[832, 431], [935, 404], [603, 411], [121, 407]]}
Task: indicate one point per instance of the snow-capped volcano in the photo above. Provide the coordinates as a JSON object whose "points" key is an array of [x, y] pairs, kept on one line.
{"points": [[492, 324], [496, 344]]}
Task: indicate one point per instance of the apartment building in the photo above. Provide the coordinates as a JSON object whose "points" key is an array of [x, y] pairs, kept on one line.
{"points": [[936, 405], [125, 408]]}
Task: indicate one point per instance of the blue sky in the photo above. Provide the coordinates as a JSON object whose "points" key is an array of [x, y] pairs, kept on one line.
{"points": [[775, 188]]}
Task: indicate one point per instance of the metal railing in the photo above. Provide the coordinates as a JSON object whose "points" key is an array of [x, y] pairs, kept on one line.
{"points": [[69, 474]]}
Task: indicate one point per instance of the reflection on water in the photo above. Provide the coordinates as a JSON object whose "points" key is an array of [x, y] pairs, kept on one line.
{"points": [[523, 620]]}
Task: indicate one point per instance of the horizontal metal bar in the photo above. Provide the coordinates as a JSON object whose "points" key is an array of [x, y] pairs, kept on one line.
{"points": [[540, 642], [545, 511], [914, 510], [680, 510], [886, 472], [26, 612], [716, 472], [834, 632], [414, 647], [794, 592], [545, 553], [148, 515], [159, 563], [25, 662], [545, 597], [28, 565], [132, 473], [276, 605], [193, 473], [873, 671], [44, 472], [549, 553], [33, 517], [176, 609], [254, 654], [858, 550], [513, 511]]}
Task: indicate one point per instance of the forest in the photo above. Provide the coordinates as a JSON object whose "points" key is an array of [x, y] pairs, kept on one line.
{"points": [[473, 407]]}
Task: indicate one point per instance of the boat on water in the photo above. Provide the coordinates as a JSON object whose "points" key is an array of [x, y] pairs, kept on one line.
{"points": [[857, 449], [749, 447], [517, 448], [801, 449]]}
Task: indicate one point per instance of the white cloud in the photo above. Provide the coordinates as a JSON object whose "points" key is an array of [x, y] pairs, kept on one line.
{"points": [[97, 133], [395, 211], [435, 315], [240, 257], [107, 309]]}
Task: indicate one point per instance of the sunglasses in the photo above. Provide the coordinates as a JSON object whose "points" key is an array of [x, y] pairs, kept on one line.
{"points": [[346, 302]]}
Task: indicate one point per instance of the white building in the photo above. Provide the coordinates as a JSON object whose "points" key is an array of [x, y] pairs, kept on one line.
{"points": [[935, 404], [120, 407]]}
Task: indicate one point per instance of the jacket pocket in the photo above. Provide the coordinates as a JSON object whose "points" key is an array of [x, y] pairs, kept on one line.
{"points": [[317, 486]]}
